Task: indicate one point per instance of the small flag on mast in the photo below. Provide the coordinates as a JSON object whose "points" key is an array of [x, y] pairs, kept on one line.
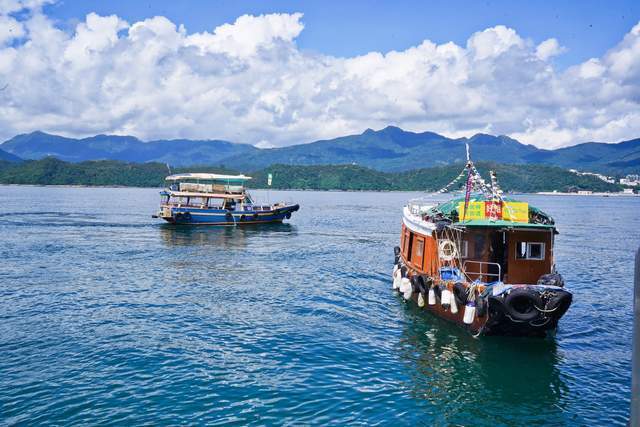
{"points": [[269, 179]]}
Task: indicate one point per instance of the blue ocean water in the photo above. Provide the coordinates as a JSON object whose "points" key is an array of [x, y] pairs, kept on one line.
{"points": [[110, 317]]}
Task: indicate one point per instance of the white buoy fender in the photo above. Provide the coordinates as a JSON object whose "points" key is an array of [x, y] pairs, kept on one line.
{"points": [[397, 276], [432, 297], [407, 294], [395, 268], [469, 312], [445, 297], [454, 304], [420, 300], [404, 284]]}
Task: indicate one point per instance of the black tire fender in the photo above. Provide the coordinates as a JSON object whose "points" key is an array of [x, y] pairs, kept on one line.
{"points": [[559, 303], [521, 304], [552, 279], [481, 306], [460, 293], [416, 283], [437, 290]]}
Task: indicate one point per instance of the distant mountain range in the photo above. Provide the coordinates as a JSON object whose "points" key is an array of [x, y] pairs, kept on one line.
{"points": [[8, 157], [178, 152], [390, 149]]}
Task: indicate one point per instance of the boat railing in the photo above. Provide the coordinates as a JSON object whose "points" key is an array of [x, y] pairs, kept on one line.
{"points": [[419, 207], [205, 206], [479, 273], [191, 205], [207, 188]]}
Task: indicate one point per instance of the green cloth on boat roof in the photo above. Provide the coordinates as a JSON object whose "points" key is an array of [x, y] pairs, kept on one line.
{"points": [[451, 206], [501, 223], [446, 208]]}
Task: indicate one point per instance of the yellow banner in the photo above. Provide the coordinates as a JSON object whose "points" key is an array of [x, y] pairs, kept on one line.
{"points": [[508, 211], [515, 211], [475, 210]]}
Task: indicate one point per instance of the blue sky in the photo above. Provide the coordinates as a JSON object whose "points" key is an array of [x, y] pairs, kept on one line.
{"points": [[279, 73], [347, 28]]}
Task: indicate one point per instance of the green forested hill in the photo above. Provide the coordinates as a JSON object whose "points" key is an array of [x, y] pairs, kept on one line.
{"points": [[51, 171], [518, 178], [521, 178]]}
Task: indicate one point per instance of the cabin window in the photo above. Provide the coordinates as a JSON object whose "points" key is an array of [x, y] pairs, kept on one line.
{"points": [[405, 243], [464, 249], [420, 248], [410, 249], [530, 250]]}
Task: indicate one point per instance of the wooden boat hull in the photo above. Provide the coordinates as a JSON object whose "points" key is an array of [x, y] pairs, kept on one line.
{"points": [[531, 310], [495, 321], [195, 216]]}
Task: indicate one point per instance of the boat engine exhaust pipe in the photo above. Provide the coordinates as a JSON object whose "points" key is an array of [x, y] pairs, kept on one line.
{"points": [[635, 381]]}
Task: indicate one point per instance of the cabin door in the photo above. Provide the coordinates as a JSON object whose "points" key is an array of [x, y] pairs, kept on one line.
{"points": [[499, 254]]}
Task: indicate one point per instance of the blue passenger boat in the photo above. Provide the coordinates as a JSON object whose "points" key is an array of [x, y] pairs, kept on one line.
{"points": [[212, 199]]}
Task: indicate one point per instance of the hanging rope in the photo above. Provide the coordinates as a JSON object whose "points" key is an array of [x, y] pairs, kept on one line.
{"points": [[456, 179], [475, 183]]}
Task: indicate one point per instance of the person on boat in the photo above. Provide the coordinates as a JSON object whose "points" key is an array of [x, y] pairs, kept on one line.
{"points": [[230, 204]]}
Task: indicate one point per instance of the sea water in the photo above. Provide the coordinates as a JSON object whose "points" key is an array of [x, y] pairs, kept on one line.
{"points": [[108, 316]]}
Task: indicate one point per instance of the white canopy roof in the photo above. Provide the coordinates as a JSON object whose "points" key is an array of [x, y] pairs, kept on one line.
{"points": [[211, 176]]}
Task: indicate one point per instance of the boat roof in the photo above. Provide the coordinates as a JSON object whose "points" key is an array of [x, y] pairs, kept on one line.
{"points": [[450, 209], [207, 176]]}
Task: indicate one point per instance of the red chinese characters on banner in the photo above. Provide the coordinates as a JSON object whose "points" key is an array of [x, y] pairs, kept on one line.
{"points": [[493, 210]]}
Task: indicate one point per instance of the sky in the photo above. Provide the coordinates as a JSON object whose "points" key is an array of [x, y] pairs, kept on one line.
{"points": [[278, 73]]}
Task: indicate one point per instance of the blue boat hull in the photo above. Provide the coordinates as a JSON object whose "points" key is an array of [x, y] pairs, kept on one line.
{"points": [[195, 216]]}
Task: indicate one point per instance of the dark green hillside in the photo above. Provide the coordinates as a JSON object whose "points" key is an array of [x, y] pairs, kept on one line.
{"points": [[51, 171], [515, 178], [522, 178], [330, 177]]}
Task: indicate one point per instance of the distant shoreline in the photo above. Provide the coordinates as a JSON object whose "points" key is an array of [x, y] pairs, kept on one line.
{"points": [[601, 194], [539, 193]]}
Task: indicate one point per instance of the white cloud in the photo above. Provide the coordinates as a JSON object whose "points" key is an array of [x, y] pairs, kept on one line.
{"points": [[548, 49], [12, 6], [493, 42], [248, 82]]}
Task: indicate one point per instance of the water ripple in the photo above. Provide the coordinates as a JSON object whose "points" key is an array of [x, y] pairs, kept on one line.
{"points": [[109, 318]]}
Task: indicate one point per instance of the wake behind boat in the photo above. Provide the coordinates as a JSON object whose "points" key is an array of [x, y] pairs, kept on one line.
{"points": [[213, 199], [482, 261]]}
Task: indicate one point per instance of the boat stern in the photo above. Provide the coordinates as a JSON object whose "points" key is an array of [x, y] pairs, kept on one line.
{"points": [[525, 310]]}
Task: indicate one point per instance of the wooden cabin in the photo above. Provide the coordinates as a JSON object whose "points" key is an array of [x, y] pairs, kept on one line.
{"points": [[510, 252]]}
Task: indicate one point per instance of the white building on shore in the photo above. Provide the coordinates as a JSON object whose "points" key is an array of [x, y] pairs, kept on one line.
{"points": [[632, 180], [609, 179]]}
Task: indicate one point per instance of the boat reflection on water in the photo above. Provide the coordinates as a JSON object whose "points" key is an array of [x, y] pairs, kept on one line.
{"points": [[506, 380], [221, 237]]}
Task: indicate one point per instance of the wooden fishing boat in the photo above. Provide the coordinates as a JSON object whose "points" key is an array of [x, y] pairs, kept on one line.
{"points": [[213, 199], [482, 261]]}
